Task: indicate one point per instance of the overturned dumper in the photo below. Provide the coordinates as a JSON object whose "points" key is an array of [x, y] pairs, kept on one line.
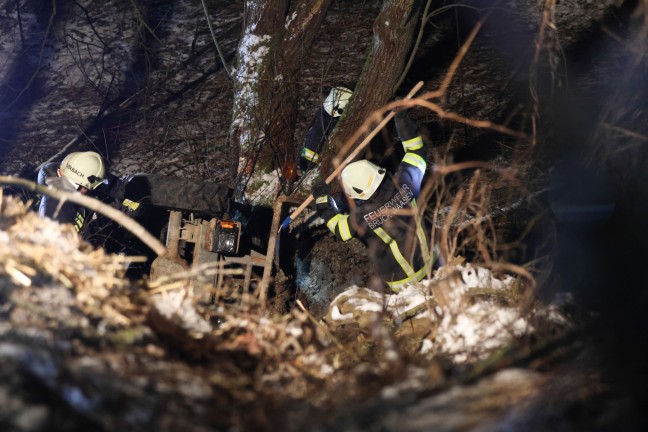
{"points": [[200, 232]]}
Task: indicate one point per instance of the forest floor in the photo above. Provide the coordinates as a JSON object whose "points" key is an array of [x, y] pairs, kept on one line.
{"points": [[83, 347]]}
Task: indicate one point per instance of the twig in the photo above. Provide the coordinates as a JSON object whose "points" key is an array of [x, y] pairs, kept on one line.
{"points": [[211, 30], [419, 36], [40, 57], [455, 64], [424, 18], [20, 26], [503, 210], [548, 7], [327, 331], [141, 19], [205, 269], [624, 131], [485, 124]]}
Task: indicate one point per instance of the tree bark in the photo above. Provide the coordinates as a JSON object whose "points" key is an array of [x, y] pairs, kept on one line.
{"points": [[276, 37], [394, 31]]}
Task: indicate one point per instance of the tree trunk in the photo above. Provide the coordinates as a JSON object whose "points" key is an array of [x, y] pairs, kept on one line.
{"points": [[394, 30], [276, 37]]}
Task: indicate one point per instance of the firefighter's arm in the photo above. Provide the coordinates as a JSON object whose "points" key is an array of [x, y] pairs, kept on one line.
{"points": [[336, 222], [408, 133], [122, 198], [320, 127]]}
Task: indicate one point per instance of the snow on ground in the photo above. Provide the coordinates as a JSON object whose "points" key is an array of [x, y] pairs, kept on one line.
{"points": [[467, 330], [262, 188]]}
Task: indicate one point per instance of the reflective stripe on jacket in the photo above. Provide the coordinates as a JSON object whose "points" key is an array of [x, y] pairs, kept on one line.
{"points": [[387, 222]]}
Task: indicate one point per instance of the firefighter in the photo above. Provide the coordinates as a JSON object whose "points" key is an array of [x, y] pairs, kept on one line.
{"points": [[324, 120], [86, 173], [381, 211], [83, 172]]}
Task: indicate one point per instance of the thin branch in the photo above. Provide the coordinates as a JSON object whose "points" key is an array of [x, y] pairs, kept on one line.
{"points": [[486, 124], [40, 56], [626, 132], [141, 19], [91, 24], [425, 17], [20, 26], [211, 30], [419, 37], [455, 63]]}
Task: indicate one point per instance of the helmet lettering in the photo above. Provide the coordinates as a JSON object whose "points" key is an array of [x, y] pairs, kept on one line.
{"points": [[75, 171]]}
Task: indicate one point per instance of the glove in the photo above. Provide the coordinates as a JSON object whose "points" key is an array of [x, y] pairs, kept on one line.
{"points": [[405, 127], [320, 192], [320, 188]]}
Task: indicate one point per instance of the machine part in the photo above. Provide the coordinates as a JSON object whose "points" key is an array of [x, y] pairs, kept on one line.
{"points": [[170, 262], [205, 242], [178, 193], [273, 244], [225, 237]]}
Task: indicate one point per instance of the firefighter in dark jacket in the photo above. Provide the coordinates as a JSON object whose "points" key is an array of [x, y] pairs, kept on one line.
{"points": [[382, 211], [83, 172], [324, 120], [86, 173]]}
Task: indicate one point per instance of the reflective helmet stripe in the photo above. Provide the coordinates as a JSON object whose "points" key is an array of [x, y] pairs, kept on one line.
{"points": [[309, 155], [397, 285], [413, 144], [416, 160], [395, 251]]}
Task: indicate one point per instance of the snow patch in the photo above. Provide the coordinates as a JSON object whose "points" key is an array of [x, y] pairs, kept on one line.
{"points": [[467, 330], [262, 188], [290, 19], [176, 305]]}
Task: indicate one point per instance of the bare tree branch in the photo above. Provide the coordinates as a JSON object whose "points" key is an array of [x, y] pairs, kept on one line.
{"points": [[211, 30], [40, 57]]}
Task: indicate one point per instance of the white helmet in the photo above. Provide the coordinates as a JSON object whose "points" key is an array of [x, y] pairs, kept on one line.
{"points": [[361, 179], [337, 100], [84, 169]]}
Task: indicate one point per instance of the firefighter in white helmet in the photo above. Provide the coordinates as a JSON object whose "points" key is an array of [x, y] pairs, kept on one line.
{"points": [[323, 122], [83, 172], [382, 211]]}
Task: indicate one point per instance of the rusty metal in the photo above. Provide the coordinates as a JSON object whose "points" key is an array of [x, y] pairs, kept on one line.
{"points": [[277, 210], [199, 232], [170, 262]]}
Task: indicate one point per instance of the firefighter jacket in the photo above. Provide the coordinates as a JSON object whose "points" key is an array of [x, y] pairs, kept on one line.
{"points": [[86, 222], [397, 244], [318, 131]]}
